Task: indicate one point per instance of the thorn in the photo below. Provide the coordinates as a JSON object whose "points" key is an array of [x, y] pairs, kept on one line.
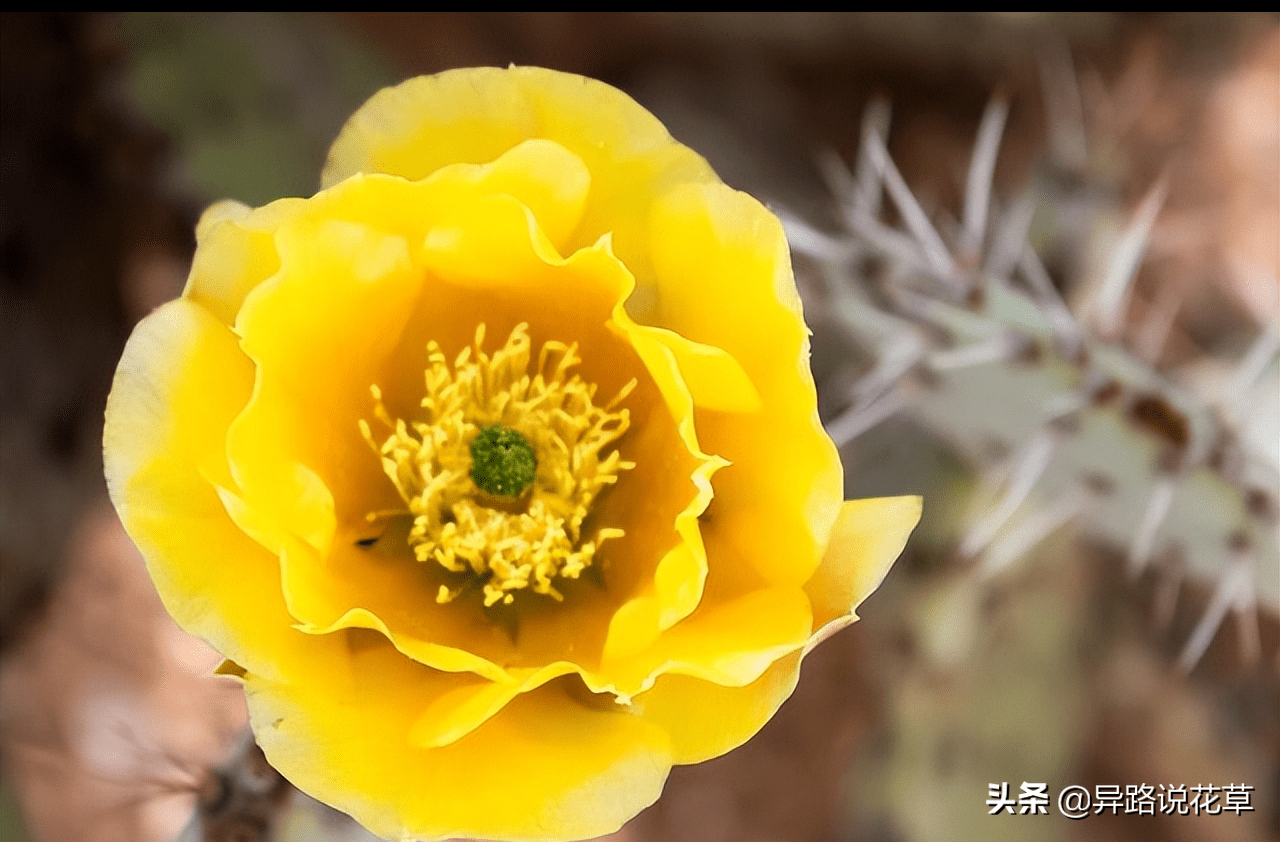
{"points": [[806, 239], [1061, 411], [1032, 531], [1235, 396], [1246, 611], [1149, 338], [838, 178], [1153, 516], [937, 257], [1066, 332], [898, 357], [1027, 469], [893, 244], [867, 176], [866, 324], [982, 168], [1109, 302], [999, 348], [1234, 590], [925, 308], [858, 419], [1010, 239]]}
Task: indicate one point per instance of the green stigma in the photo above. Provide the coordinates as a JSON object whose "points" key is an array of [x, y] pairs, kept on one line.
{"points": [[502, 462]]}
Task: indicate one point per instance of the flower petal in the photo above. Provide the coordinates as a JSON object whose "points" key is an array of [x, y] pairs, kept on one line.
{"points": [[236, 252], [674, 591], [548, 766], [715, 379], [705, 720], [868, 536], [676, 586], [465, 708], [730, 642], [310, 389], [723, 278], [548, 180], [472, 245], [180, 382], [476, 114]]}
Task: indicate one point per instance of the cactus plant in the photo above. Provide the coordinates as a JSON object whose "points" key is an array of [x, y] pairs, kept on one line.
{"points": [[1063, 418]]}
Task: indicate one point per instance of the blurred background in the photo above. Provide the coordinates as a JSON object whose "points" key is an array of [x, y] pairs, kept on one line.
{"points": [[116, 131]]}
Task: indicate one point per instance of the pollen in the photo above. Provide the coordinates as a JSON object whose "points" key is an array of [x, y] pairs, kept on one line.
{"points": [[502, 466]]}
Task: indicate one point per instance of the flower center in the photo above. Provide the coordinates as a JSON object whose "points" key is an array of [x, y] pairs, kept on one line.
{"points": [[502, 462], [503, 467]]}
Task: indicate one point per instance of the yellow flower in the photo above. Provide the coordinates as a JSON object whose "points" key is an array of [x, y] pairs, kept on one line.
{"points": [[494, 468]]}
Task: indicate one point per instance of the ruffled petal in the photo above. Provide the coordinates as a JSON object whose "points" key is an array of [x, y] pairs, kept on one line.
{"points": [[548, 180], [180, 382], [553, 764], [714, 378], [730, 642], [300, 426], [868, 536], [723, 278], [476, 114], [465, 708], [706, 720], [236, 252]]}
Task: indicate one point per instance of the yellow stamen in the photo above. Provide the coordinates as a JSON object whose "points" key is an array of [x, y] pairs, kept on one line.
{"points": [[507, 543]]}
